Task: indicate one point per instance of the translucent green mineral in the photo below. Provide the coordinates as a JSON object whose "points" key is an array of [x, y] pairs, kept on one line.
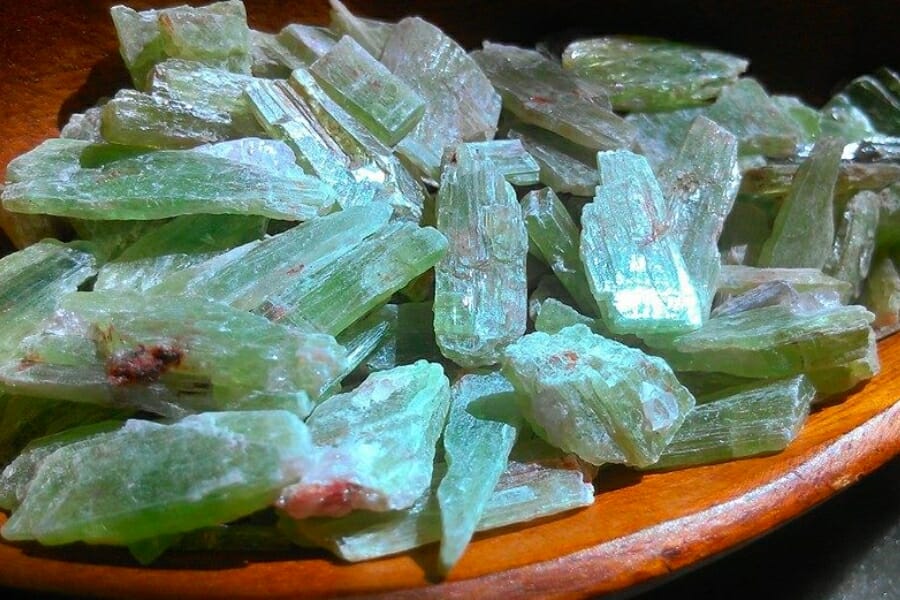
{"points": [[564, 167], [369, 33], [882, 295], [647, 74], [737, 279], [307, 42], [480, 299], [854, 243], [508, 156], [595, 397]]}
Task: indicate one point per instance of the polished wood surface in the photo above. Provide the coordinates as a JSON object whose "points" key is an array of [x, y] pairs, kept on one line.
{"points": [[58, 57]]}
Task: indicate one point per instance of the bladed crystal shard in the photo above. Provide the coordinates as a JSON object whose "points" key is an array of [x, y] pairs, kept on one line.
{"points": [[882, 296], [738, 279], [595, 397], [803, 233], [564, 166], [888, 231], [108, 239], [755, 419], [746, 229], [32, 281], [660, 135], [481, 428], [648, 74], [363, 338], [548, 287], [854, 243], [632, 257], [56, 157], [307, 42], [480, 299], [508, 156], [700, 184], [216, 35], [270, 58], [410, 337], [369, 33], [369, 91], [270, 155], [134, 483], [538, 91], [171, 183], [461, 105], [377, 444], [838, 379], [807, 119], [879, 104], [776, 292], [553, 231], [539, 481], [770, 342]]}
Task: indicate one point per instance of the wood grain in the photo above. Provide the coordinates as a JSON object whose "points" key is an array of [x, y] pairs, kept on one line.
{"points": [[58, 57]]}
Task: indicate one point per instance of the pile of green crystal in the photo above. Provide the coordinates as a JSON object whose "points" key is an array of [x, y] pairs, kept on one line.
{"points": [[354, 287]]}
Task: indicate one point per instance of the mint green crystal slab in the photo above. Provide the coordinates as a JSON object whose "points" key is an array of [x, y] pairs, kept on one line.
{"points": [[554, 316], [660, 135], [371, 34], [482, 426], [273, 156], [538, 91], [754, 419], [539, 481], [699, 184], [270, 57], [56, 157], [31, 283], [807, 119], [556, 236], [738, 279], [775, 341], [134, 483], [838, 379], [480, 298], [772, 293], [368, 91], [632, 258], [881, 295], [307, 43], [410, 337], [854, 243], [564, 166], [888, 231], [216, 35], [595, 397], [508, 156], [879, 104], [648, 74], [377, 444], [803, 233], [460, 102], [171, 183]]}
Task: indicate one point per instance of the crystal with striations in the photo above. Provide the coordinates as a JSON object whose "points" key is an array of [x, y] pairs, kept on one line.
{"points": [[854, 243], [482, 426], [307, 42], [56, 157], [371, 34], [882, 295], [830, 381], [595, 397], [803, 233], [738, 279], [759, 418], [480, 298], [271, 59], [564, 167], [660, 135], [368, 90], [650, 74], [508, 156], [410, 337], [134, 483], [539, 91], [377, 444], [169, 183], [772, 293], [631, 256]]}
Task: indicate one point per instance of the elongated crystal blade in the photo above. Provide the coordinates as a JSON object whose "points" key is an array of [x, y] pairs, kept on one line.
{"points": [[882, 296]]}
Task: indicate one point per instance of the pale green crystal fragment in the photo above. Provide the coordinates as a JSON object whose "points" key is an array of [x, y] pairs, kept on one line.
{"points": [[555, 316], [660, 135], [888, 232], [700, 184], [216, 35], [482, 426], [377, 444], [538, 91], [556, 236], [365, 337], [31, 283], [854, 243], [831, 381], [308, 43], [737, 279], [776, 292], [410, 337], [270, 155], [564, 166], [170, 183], [632, 258], [539, 481], [135, 483], [548, 287], [595, 397], [108, 239], [480, 298], [775, 341], [882, 296], [368, 90], [807, 119], [371, 34], [461, 105], [754, 419], [56, 157], [649, 74], [875, 100], [508, 156], [270, 58], [746, 229], [803, 233]]}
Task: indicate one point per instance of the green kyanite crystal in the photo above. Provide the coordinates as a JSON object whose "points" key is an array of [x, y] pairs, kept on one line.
{"points": [[888, 231], [556, 236], [876, 101], [371, 34], [595, 397], [632, 257], [56, 157], [135, 483], [772, 293], [830, 381], [646, 74], [738, 279], [306, 42], [410, 336], [660, 135], [554, 316], [483, 424], [538, 91], [509, 157], [273, 156], [882, 296], [769, 342], [807, 119], [216, 35], [480, 298], [755, 419], [803, 233], [461, 105], [368, 91], [170, 183], [854, 244], [539, 481], [564, 167], [700, 183], [31, 283], [377, 444], [271, 58]]}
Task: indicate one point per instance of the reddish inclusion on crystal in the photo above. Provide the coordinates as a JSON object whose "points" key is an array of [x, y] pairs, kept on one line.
{"points": [[142, 365]]}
